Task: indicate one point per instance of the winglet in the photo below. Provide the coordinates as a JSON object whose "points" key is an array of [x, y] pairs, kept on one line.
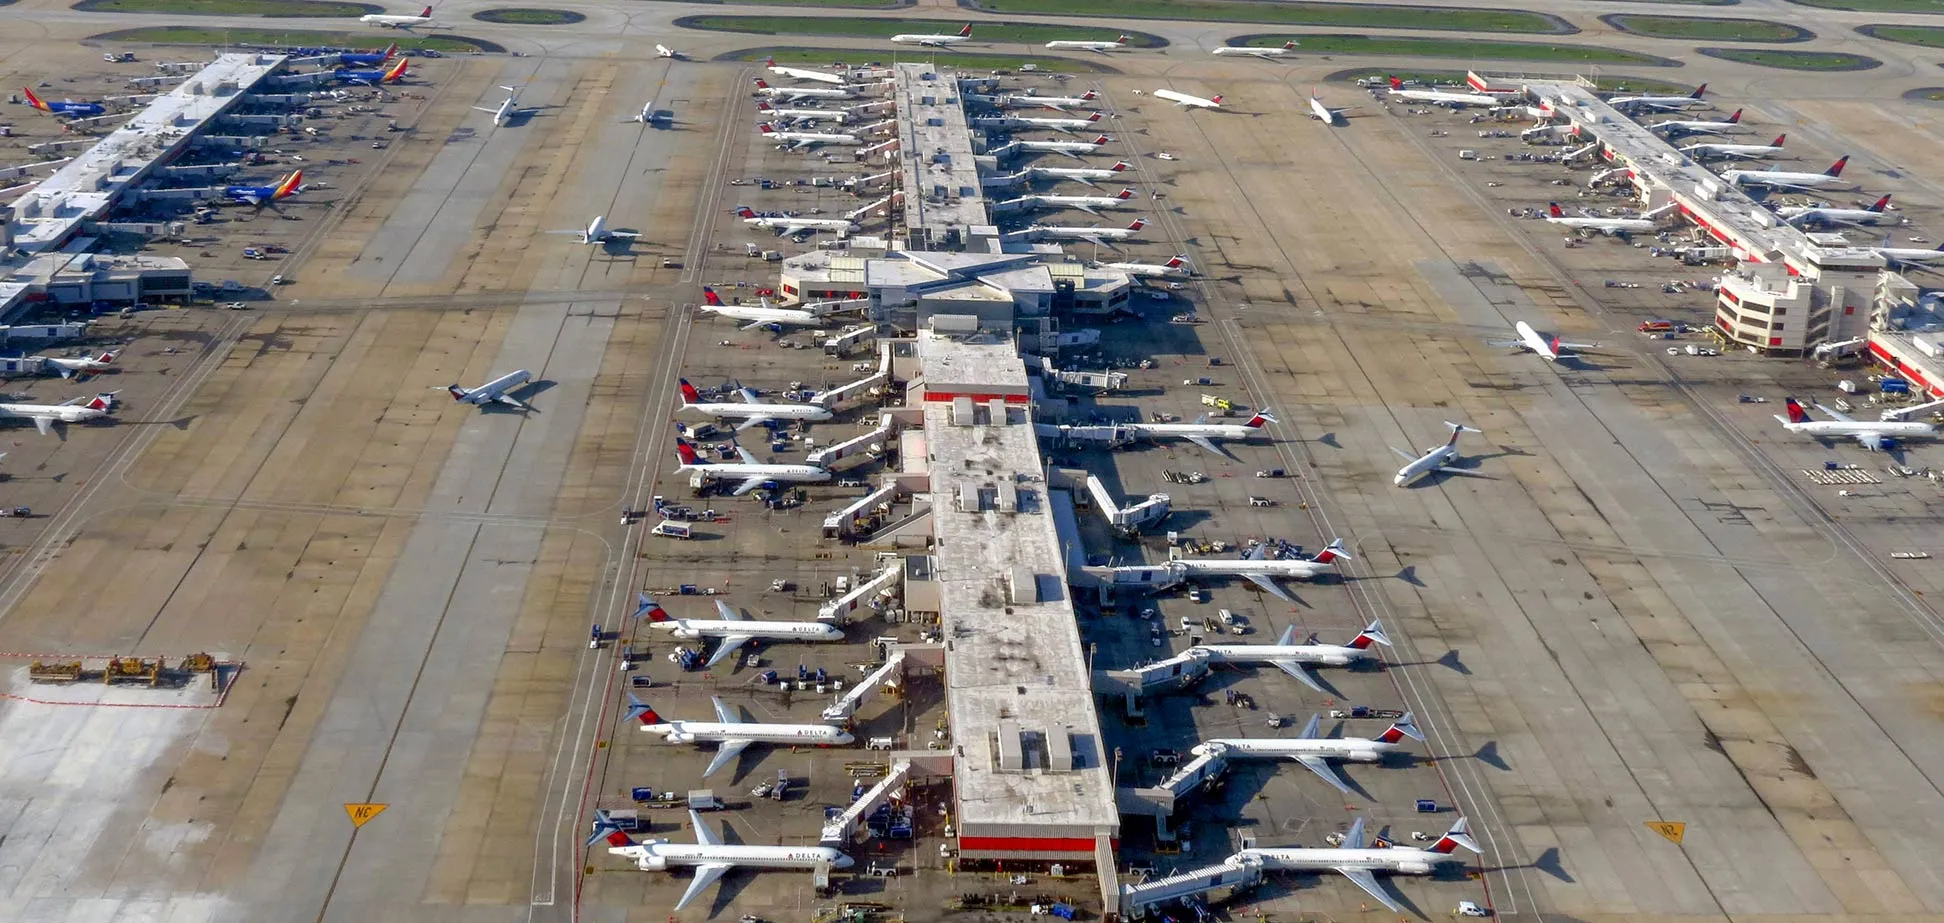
{"points": [[637, 709], [710, 298], [1331, 552], [1458, 835], [650, 608], [606, 829], [1400, 729], [1373, 632]]}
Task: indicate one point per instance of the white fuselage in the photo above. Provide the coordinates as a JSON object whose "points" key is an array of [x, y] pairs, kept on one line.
{"points": [[684, 732], [802, 224], [1444, 98], [805, 138], [1067, 125], [395, 22], [61, 413], [1401, 860], [1184, 430], [596, 231], [807, 92], [1353, 749], [1329, 655], [1241, 52], [1839, 215], [1085, 46], [1083, 174], [1424, 464], [1698, 128], [491, 391], [1886, 428], [504, 112], [1910, 254], [82, 364], [801, 74], [793, 317], [655, 856], [1321, 112], [809, 412], [1606, 225], [810, 115], [1711, 149], [1051, 102], [1656, 102], [1063, 233], [781, 631], [1086, 202], [743, 471], [1530, 339], [1059, 147], [919, 38], [1782, 178], [1149, 270], [1186, 99], [1289, 569]]}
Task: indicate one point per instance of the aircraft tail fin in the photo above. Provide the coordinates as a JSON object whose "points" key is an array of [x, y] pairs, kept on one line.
{"points": [[684, 452], [606, 829], [1262, 417], [1395, 83], [1457, 428], [1553, 209], [426, 13], [1880, 205], [1796, 413], [103, 401], [1459, 834], [710, 298], [641, 711], [1373, 633], [1216, 99], [35, 101], [391, 51], [1698, 91], [689, 394], [651, 609], [1400, 729], [1332, 552], [966, 32], [1836, 169]]}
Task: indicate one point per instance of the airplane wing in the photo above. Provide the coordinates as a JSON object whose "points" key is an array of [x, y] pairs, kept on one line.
{"points": [[724, 713], [1309, 729], [1082, 179], [1403, 454], [705, 875], [730, 644], [747, 457], [1269, 583], [755, 324], [728, 612], [1209, 445], [1871, 441], [725, 754], [1836, 414], [1068, 154], [752, 421], [1579, 346], [749, 485], [1301, 674], [624, 235], [1322, 767], [1363, 878], [494, 109], [1086, 208], [511, 401], [44, 424]]}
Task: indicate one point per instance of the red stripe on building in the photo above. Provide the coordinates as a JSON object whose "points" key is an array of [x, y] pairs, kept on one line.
{"points": [[1026, 844], [933, 397]]}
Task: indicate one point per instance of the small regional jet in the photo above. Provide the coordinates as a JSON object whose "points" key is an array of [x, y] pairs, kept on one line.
{"points": [[810, 315], [1359, 863], [1551, 350], [732, 630], [73, 410], [82, 365], [1244, 51], [1190, 101], [1437, 459], [1100, 47], [494, 392], [709, 856], [1315, 751], [1296, 660], [731, 732], [752, 473], [507, 109], [1103, 237], [1325, 114]]}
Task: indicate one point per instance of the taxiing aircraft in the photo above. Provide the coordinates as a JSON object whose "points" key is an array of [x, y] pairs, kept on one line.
{"points": [[1783, 179], [1103, 237], [1255, 567], [1872, 434], [1080, 174], [1298, 659], [1325, 114], [798, 140], [800, 73], [1189, 101], [1244, 51], [1091, 204], [1551, 350], [1711, 149], [1175, 267], [73, 410], [82, 365], [597, 232], [932, 41], [66, 107], [1646, 223], [1678, 127], [1315, 751], [804, 115], [1102, 47], [1803, 214], [1071, 149], [648, 115], [263, 195], [751, 409], [753, 473], [732, 630], [505, 111], [374, 78], [789, 226], [1360, 864], [663, 51], [1660, 102], [710, 857], [788, 93], [1443, 97], [397, 22], [733, 734], [494, 392], [1436, 459], [1060, 103]]}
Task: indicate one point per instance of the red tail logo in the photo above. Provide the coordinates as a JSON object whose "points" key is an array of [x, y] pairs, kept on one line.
{"points": [[763, 107], [425, 13], [618, 838], [1555, 345], [1733, 119], [1363, 640], [709, 297], [1138, 224], [1880, 205], [1125, 194], [1118, 166], [1836, 169], [101, 402], [1100, 140], [1255, 422], [1393, 735], [1089, 95], [685, 452], [1554, 209], [1396, 84], [1217, 99], [1778, 140], [769, 61], [742, 211], [1094, 118], [1121, 40], [1796, 413], [391, 51], [1175, 262], [762, 84], [966, 32], [656, 614], [689, 394]]}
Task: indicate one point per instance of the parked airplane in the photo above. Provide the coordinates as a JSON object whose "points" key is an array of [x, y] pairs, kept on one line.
{"points": [[374, 78], [1244, 51], [1872, 434], [787, 226], [397, 22], [66, 107], [1071, 149], [808, 115], [1325, 114], [932, 41], [1435, 459], [1175, 267], [733, 734], [1203, 433], [1660, 102], [1080, 174], [1709, 149], [1255, 567], [663, 51], [1803, 214], [763, 87], [710, 857], [798, 140], [1186, 100], [82, 365], [597, 232], [732, 631], [1910, 254], [1102, 237], [494, 392], [752, 410], [1061, 103], [1086, 203], [1782, 179], [812, 315], [1551, 350], [73, 410], [1443, 97], [505, 111], [1315, 751], [1360, 864], [1679, 127], [1297, 659], [752, 473], [263, 195], [1103, 47], [1611, 226], [800, 73], [1068, 126]]}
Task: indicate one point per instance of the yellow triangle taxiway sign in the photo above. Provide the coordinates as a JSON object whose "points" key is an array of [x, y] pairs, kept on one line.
{"points": [[361, 813], [1673, 830]]}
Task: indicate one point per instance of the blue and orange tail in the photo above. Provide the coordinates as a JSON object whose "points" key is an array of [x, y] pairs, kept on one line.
{"points": [[36, 102], [292, 184]]}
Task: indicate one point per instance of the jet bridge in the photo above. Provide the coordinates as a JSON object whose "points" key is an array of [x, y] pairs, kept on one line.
{"points": [[1131, 519], [840, 829], [858, 214], [840, 523], [836, 395], [1236, 872], [839, 609], [846, 705], [855, 444], [1179, 671]]}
